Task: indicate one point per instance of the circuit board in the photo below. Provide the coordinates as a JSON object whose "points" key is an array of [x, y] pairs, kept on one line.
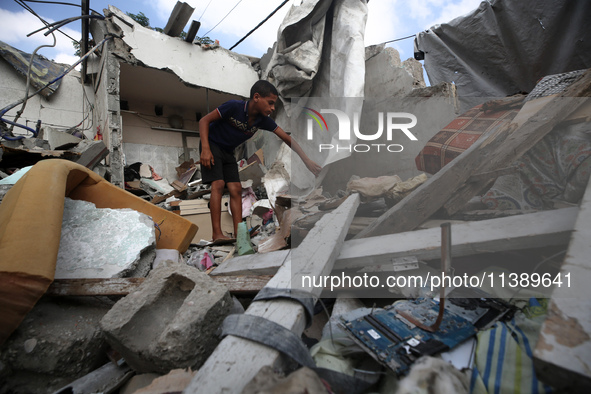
{"points": [[397, 343]]}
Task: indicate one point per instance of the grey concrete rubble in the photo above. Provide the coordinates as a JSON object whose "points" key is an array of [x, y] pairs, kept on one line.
{"points": [[159, 312], [57, 342], [85, 232], [170, 322]]}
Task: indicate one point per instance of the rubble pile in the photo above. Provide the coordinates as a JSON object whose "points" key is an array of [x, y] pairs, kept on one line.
{"points": [[465, 271]]}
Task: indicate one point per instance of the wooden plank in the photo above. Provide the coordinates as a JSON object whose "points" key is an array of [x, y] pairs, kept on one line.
{"points": [[425, 200], [236, 361], [237, 284], [533, 230], [94, 286], [253, 264], [562, 356], [243, 284], [194, 211], [201, 203], [492, 151]]}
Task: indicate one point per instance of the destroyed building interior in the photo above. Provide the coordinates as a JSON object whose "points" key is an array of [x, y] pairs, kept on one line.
{"points": [[447, 252]]}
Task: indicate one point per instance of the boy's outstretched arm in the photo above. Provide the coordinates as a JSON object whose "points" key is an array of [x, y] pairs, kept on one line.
{"points": [[292, 143]]}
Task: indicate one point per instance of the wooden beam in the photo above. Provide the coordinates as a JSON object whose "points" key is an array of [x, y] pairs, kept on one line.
{"points": [[492, 151], [236, 284], [236, 361], [525, 137], [562, 356], [491, 175], [532, 230], [253, 264]]}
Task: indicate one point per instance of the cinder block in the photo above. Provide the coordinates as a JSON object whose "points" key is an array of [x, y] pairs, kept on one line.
{"points": [[170, 322]]}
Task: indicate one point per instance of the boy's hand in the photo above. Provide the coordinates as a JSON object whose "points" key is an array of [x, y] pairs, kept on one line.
{"points": [[313, 167], [206, 158]]}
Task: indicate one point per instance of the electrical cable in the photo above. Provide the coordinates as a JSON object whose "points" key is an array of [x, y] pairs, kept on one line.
{"points": [[239, 1], [66, 21], [63, 22], [399, 39], [57, 3], [204, 11], [28, 83], [30, 10], [535, 269], [11, 106], [260, 24]]}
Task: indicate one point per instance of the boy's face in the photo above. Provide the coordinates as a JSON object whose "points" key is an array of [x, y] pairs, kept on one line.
{"points": [[265, 105]]}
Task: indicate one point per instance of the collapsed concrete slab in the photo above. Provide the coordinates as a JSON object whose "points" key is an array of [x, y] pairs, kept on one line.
{"points": [[170, 321], [103, 243]]}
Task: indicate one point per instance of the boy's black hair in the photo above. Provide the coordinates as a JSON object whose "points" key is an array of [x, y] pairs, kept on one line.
{"points": [[264, 88]]}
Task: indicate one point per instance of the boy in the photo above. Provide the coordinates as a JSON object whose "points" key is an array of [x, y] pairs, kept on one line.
{"points": [[222, 130]]}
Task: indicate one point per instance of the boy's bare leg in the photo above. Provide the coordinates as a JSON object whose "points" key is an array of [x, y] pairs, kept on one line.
{"points": [[235, 189], [215, 209]]}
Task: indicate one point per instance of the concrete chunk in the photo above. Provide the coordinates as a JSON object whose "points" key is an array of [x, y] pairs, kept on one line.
{"points": [[170, 321], [57, 342]]}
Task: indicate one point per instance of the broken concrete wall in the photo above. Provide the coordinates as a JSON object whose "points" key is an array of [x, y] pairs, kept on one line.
{"points": [[145, 70], [66, 108], [385, 75], [390, 87], [105, 73], [217, 68]]}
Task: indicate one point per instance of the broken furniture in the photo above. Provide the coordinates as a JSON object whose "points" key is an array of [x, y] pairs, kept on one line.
{"points": [[33, 208]]}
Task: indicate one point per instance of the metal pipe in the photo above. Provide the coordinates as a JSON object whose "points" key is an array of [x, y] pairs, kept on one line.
{"points": [[445, 267]]}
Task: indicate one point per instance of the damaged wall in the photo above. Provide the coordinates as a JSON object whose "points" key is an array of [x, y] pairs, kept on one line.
{"points": [[163, 150], [107, 117], [160, 116], [216, 68], [64, 109], [148, 77], [391, 87]]}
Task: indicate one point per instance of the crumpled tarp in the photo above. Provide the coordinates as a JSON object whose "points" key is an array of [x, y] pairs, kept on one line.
{"points": [[506, 46], [319, 52], [42, 72]]}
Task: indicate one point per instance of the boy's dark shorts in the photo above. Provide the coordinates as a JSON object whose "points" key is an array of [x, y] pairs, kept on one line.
{"points": [[224, 167]]}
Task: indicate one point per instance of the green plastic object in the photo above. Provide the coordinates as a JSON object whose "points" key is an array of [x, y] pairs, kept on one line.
{"points": [[243, 245]]}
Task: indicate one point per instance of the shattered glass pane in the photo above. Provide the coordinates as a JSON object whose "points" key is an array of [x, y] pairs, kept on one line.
{"points": [[101, 243]]}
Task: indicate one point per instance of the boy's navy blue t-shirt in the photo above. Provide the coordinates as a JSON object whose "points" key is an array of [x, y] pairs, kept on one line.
{"points": [[233, 129]]}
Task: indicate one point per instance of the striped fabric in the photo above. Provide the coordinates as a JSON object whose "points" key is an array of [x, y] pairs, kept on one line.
{"points": [[504, 355]]}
